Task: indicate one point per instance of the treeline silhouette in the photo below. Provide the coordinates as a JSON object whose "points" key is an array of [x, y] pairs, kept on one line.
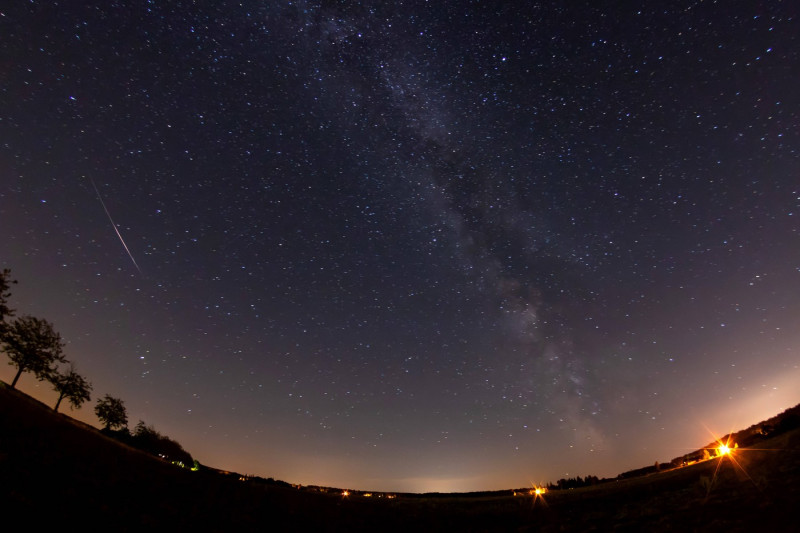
{"points": [[576, 482], [33, 346], [147, 439], [779, 424]]}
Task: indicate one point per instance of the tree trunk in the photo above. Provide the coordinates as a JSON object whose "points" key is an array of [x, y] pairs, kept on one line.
{"points": [[19, 372], [60, 397]]}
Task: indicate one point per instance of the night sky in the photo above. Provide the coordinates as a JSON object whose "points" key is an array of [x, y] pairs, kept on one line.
{"points": [[413, 246]]}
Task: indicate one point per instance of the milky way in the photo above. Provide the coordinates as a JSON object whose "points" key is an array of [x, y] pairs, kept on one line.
{"points": [[448, 246]]}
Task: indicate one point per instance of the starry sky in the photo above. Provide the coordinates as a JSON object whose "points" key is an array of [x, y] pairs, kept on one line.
{"points": [[411, 246]]}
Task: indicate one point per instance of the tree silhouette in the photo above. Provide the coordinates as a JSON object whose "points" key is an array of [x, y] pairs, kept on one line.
{"points": [[111, 412], [73, 387], [148, 439], [5, 311], [33, 346]]}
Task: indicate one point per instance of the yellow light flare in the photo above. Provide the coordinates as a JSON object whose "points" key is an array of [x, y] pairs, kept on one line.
{"points": [[538, 493], [724, 449]]}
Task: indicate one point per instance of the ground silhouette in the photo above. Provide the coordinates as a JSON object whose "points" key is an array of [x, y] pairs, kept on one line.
{"points": [[57, 471]]}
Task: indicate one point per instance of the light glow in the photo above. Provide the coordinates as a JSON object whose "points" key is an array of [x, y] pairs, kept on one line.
{"points": [[723, 449], [538, 493]]}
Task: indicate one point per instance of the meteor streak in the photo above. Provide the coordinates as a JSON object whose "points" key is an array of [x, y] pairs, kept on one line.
{"points": [[114, 226]]}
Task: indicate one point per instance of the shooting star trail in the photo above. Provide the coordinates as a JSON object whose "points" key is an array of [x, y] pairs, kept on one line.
{"points": [[114, 226]]}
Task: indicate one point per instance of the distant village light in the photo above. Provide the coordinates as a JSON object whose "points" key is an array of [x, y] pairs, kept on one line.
{"points": [[726, 448], [538, 493]]}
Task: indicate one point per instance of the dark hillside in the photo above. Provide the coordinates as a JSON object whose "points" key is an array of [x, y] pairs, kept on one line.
{"points": [[57, 472], [61, 471]]}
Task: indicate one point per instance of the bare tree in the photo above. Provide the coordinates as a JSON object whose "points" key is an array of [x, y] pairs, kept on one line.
{"points": [[33, 345], [111, 412], [72, 386]]}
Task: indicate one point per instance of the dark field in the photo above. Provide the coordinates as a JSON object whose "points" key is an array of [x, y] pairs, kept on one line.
{"points": [[57, 472]]}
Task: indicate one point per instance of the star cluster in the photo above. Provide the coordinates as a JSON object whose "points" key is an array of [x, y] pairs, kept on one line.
{"points": [[411, 246]]}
